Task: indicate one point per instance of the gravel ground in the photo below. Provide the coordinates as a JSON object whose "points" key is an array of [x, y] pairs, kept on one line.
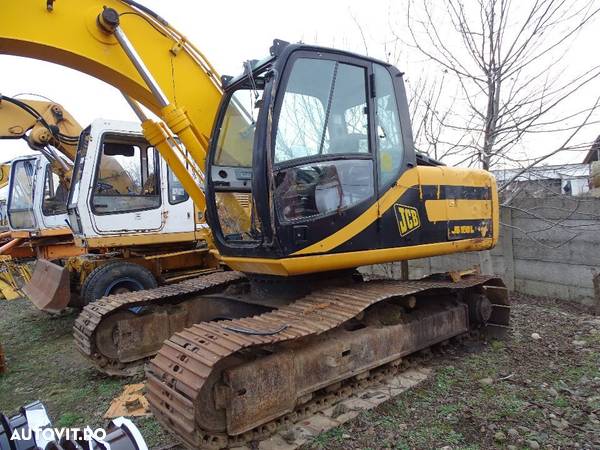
{"points": [[538, 389]]}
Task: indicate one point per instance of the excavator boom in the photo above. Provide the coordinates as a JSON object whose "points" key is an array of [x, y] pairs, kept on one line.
{"points": [[187, 106], [46, 123]]}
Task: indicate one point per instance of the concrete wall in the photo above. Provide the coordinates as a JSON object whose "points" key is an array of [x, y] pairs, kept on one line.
{"points": [[548, 247]]}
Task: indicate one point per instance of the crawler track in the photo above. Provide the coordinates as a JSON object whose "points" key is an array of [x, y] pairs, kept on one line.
{"points": [[226, 383], [97, 315]]}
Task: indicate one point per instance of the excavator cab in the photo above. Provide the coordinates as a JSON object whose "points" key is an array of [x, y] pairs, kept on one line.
{"points": [[37, 200], [312, 137], [318, 144], [121, 186]]}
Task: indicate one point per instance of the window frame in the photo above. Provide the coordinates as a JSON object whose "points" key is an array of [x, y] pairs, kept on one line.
{"points": [[141, 142], [370, 155], [11, 191]]}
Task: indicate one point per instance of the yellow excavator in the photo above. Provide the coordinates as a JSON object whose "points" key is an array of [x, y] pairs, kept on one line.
{"points": [[309, 172], [47, 128]]}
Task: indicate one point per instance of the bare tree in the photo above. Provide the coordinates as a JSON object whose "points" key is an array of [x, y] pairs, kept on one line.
{"points": [[504, 58], [429, 110]]}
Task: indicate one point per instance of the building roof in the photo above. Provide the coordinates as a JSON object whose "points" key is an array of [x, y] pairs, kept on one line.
{"points": [[593, 153], [563, 171]]}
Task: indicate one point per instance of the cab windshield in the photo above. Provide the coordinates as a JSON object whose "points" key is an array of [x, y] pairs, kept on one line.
{"points": [[20, 199], [236, 133], [232, 162]]}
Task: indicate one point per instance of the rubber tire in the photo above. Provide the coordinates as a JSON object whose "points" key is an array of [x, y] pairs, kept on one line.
{"points": [[99, 280]]}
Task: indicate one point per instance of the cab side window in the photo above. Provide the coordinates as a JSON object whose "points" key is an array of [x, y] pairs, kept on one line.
{"points": [[55, 195], [177, 194], [389, 134], [127, 179]]}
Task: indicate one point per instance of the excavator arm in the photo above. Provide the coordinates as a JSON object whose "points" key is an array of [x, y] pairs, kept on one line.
{"points": [[130, 47], [41, 123]]}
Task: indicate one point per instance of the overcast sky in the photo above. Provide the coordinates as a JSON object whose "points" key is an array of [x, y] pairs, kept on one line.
{"points": [[231, 32]]}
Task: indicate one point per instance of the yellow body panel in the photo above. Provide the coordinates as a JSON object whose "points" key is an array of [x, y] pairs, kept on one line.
{"points": [[317, 257], [337, 261], [411, 179], [457, 209], [136, 239]]}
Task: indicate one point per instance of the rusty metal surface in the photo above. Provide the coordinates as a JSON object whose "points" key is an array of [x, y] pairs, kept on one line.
{"points": [[263, 390], [49, 288], [185, 390], [118, 346]]}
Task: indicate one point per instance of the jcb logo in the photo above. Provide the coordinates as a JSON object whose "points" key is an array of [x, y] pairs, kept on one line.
{"points": [[408, 218]]}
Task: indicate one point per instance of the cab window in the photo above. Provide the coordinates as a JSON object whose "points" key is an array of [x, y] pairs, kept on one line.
{"points": [[324, 111], [20, 200], [389, 134], [128, 177], [322, 158], [55, 195], [177, 194]]}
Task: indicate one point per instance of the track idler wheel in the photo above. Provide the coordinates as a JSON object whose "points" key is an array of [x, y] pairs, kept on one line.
{"points": [[480, 308]]}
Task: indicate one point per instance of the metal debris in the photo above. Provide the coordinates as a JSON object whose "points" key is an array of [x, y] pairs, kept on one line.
{"points": [[131, 403]]}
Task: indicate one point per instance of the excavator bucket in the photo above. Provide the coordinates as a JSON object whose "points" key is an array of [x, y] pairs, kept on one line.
{"points": [[49, 288]]}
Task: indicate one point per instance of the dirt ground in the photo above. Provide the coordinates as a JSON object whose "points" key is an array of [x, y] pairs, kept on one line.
{"points": [[538, 389]]}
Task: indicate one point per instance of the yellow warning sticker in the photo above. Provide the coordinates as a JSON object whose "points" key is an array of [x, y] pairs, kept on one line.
{"points": [[407, 217]]}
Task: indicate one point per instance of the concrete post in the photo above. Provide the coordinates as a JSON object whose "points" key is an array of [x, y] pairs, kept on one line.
{"points": [[506, 243], [595, 309]]}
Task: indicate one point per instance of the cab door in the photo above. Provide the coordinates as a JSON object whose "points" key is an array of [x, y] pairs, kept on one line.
{"points": [[324, 154], [177, 204], [125, 195]]}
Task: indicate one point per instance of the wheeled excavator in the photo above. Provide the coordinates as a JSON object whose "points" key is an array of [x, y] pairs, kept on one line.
{"points": [[125, 173], [310, 172], [45, 126]]}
